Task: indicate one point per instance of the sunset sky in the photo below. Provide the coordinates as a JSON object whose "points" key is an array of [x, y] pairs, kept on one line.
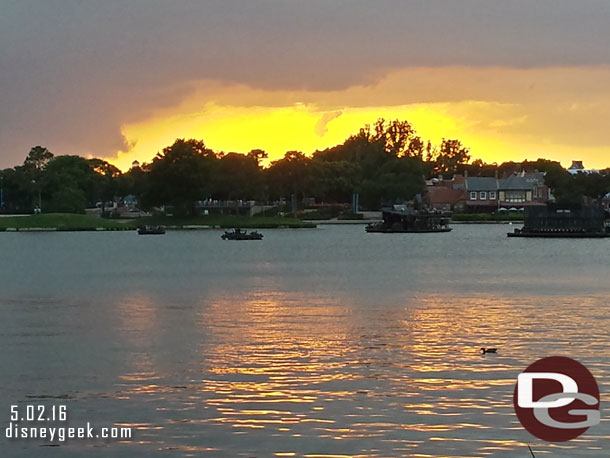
{"points": [[122, 79]]}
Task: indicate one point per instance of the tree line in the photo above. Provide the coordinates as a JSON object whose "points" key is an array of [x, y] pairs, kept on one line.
{"points": [[385, 162]]}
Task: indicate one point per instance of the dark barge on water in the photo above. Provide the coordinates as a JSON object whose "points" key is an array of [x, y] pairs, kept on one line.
{"points": [[404, 219], [554, 221], [238, 234], [151, 230]]}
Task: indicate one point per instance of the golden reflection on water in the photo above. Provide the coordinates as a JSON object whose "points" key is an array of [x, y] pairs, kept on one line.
{"points": [[138, 317], [283, 375]]}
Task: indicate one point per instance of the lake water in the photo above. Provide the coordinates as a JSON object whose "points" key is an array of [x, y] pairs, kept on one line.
{"points": [[325, 342]]}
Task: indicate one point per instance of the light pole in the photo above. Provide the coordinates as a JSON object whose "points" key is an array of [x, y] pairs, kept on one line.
{"points": [[1, 193], [39, 208]]}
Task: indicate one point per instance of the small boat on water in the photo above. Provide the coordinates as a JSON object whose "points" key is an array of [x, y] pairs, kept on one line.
{"points": [[151, 230], [404, 219], [238, 234], [553, 221]]}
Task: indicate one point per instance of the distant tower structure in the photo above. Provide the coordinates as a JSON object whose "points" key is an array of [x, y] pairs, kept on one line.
{"points": [[135, 165], [577, 166]]}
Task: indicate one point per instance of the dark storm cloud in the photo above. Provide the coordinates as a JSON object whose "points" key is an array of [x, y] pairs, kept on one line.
{"points": [[72, 72]]}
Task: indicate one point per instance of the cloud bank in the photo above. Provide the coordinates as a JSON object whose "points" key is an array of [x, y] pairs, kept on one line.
{"points": [[75, 72]]}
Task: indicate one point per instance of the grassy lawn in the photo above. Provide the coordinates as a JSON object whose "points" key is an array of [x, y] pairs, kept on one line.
{"points": [[225, 221], [63, 222]]}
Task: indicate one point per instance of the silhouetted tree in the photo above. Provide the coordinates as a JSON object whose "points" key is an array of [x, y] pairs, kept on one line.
{"points": [[37, 159], [180, 176], [68, 185], [396, 181], [334, 181], [237, 176], [288, 175], [105, 183], [258, 155], [450, 157]]}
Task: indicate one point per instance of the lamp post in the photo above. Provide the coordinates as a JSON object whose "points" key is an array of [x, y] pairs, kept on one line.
{"points": [[1, 193], [39, 208]]}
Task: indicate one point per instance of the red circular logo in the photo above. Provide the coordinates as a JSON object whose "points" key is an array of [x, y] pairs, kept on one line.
{"points": [[557, 399]]}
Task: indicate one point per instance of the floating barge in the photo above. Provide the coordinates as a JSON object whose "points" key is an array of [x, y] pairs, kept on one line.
{"points": [[151, 230], [555, 221], [238, 234], [403, 219]]}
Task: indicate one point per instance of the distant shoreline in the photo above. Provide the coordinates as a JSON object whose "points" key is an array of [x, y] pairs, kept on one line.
{"points": [[364, 222], [58, 222], [487, 222], [69, 222]]}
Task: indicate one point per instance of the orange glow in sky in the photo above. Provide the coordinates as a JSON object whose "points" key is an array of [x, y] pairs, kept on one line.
{"points": [[509, 82], [275, 130], [491, 110]]}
